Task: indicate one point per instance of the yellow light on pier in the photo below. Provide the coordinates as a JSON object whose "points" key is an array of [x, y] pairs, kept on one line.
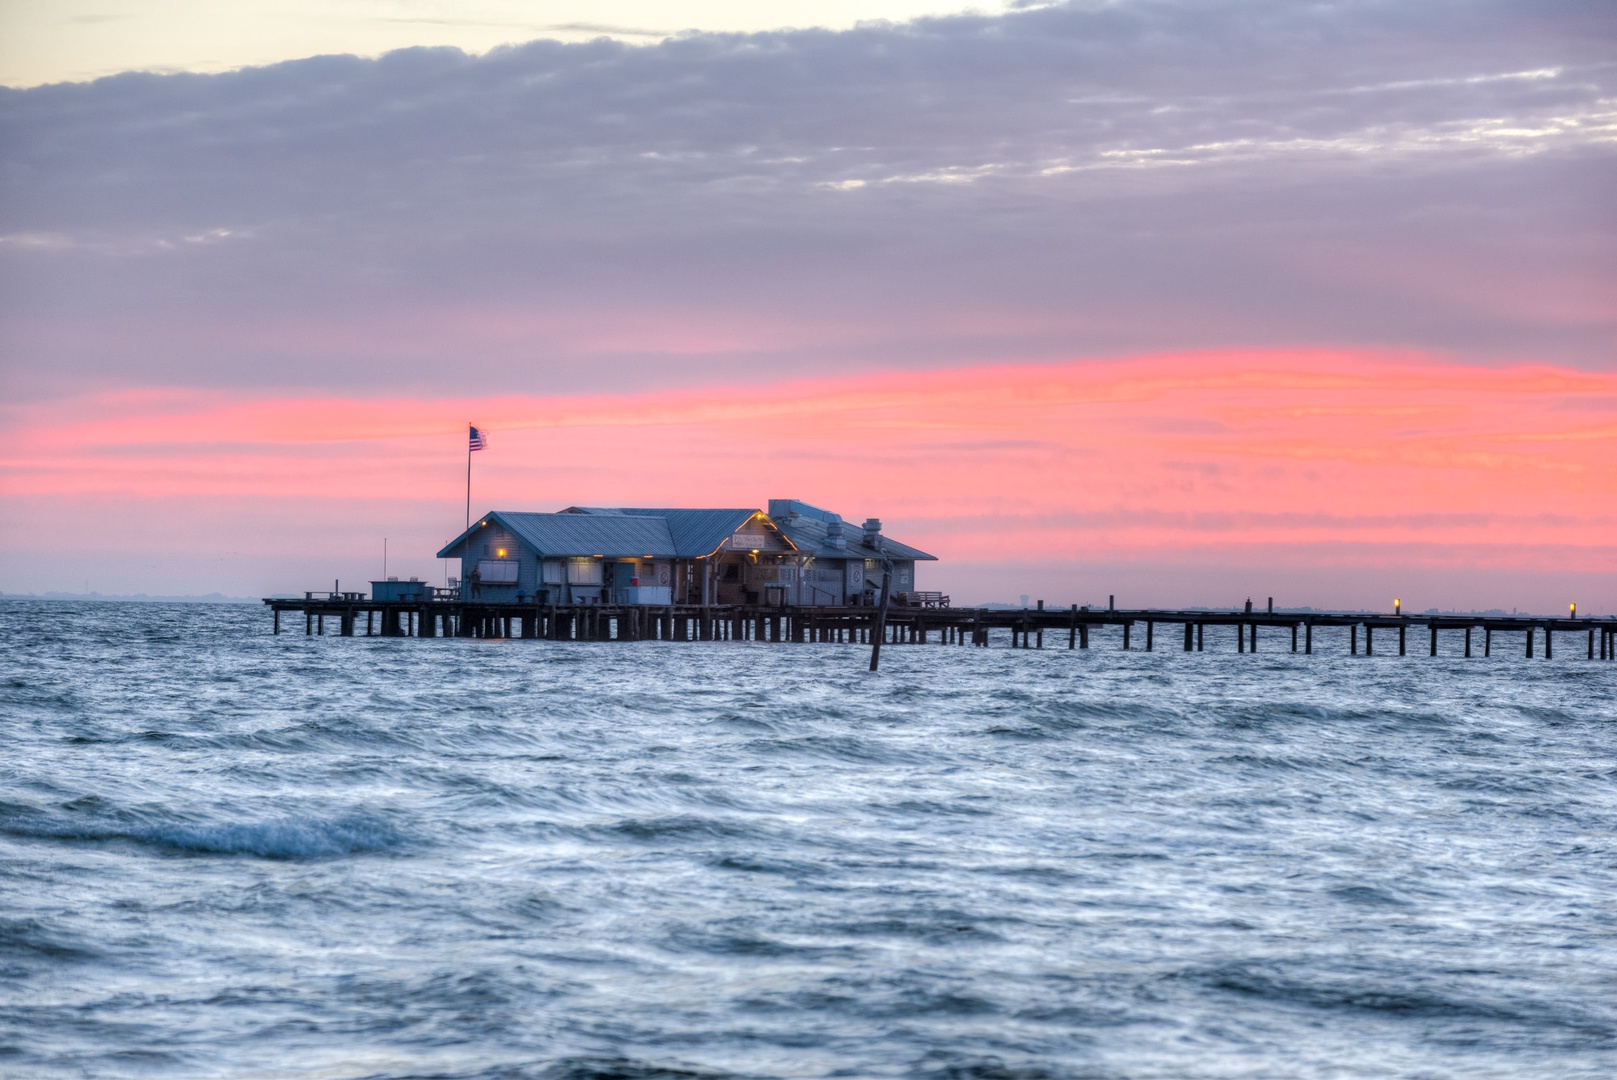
{"points": [[1397, 605], [1573, 608]]}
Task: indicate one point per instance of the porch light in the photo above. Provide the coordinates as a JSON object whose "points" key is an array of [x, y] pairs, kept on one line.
{"points": [[1397, 605], [500, 552]]}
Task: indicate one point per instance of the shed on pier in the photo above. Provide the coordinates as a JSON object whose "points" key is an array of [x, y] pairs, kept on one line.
{"points": [[795, 554]]}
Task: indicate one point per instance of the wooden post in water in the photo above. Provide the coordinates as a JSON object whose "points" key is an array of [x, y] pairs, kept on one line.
{"points": [[1401, 642], [1529, 643], [1201, 636], [1293, 637], [879, 623], [1240, 637], [1434, 639], [1468, 643], [1190, 634], [1254, 637], [1353, 639], [1126, 625], [278, 621], [1308, 638], [1150, 627], [1549, 643], [1083, 635], [1369, 640], [1072, 629], [1487, 641]]}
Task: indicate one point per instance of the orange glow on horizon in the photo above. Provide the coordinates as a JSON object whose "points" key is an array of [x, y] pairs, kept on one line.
{"points": [[1295, 454]]}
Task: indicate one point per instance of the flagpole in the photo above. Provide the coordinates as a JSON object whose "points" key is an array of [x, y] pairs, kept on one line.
{"points": [[468, 475]]}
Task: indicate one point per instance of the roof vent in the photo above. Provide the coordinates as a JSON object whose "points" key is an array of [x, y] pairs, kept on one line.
{"points": [[873, 533], [834, 537]]}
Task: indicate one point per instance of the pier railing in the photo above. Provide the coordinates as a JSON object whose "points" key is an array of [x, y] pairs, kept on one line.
{"points": [[910, 623]]}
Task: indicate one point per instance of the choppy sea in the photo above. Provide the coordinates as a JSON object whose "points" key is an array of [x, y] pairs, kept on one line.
{"points": [[229, 854]]}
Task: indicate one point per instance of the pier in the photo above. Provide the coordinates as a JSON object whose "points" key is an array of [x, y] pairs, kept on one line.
{"points": [[351, 614]]}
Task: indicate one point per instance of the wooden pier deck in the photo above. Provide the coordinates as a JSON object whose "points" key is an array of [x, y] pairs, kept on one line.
{"points": [[1072, 628]]}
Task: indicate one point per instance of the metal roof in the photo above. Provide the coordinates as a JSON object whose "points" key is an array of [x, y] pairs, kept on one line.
{"points": [[623, 532], [812, 530], [564, 535], [694, 532], [814, 537]]}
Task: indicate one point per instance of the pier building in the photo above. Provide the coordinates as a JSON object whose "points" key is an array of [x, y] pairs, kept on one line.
{"points": [[793, 554]]}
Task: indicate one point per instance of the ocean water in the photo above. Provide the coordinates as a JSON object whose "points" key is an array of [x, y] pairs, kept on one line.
{"points": [[227, 854]]}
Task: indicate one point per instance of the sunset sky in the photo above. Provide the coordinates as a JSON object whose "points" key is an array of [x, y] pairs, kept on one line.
{"points": [[1181, 301]]}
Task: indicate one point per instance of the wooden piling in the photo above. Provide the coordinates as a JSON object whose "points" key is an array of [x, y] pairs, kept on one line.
{"points": [[1468, 643], [1126, 626], [1308, 639], [1529, 643], [880, 622]]}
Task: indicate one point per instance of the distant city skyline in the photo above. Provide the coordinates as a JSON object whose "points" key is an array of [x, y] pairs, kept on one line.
{"points": [[1179, 301]]}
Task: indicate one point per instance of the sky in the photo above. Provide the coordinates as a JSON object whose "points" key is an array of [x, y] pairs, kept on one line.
{"points": [[1181, 302]]}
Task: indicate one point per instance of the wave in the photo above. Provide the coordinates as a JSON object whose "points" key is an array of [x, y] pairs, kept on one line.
{"points": [[281, 838], [274, 838]]}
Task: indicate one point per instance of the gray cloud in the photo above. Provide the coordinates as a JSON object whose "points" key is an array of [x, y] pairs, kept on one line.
{"points": [[1086, 179]]}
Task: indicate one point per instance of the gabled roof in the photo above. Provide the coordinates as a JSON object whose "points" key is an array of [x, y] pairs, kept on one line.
{"points": [[564, 535], [813, 536], [694, 532], [815, 531], [628, 532]]}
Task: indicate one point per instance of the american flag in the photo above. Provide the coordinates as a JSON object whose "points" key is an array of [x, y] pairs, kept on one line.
{"points": [[478, 441]]}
